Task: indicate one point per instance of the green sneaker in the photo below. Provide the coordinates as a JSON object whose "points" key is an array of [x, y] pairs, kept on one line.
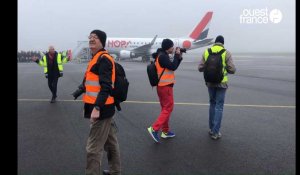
{"points": [[153, 134], [167, 135]]}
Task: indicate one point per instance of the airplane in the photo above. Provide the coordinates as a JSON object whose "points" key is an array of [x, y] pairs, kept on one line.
{"points": [[129, 48]]}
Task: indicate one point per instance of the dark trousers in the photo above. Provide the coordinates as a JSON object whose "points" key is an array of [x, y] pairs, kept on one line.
{"points": [[52, 83]]}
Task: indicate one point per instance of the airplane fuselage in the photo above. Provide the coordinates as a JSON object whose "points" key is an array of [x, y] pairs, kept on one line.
{"points": [[121, 45]]}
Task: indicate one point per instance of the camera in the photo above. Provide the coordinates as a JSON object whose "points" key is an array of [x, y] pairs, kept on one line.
{"points": [[79, 91], [183, 50]]}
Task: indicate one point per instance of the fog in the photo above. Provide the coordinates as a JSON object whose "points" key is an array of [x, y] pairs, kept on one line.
{"points": [[63, 23]]}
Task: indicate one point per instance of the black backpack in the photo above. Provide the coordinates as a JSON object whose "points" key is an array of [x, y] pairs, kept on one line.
{"points": [[213, 69], [152, 73], [121, 86]]}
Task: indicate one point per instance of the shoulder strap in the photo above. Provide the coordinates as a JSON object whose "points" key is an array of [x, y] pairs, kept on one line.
{"points": [[162, 71], [161, 74], [209, 51], [221, 51], [103, 54], [113, 63]]}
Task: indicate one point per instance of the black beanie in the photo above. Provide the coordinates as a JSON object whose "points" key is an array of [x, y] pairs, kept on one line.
{"points": [[219, 39], [167, 44], [101, 35]]}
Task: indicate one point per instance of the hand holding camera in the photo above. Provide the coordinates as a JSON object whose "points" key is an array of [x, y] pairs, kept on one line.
{"points": [[179, 51]]}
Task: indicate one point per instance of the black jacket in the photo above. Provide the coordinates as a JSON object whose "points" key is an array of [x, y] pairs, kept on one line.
{"points": [[165, 62], [52, 68], [103, 68]]}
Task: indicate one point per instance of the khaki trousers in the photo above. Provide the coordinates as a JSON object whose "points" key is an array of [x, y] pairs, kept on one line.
{"points": [[103, 137]]}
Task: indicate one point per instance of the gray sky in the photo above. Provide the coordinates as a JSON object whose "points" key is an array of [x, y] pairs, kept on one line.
{"points": [[64, 22]]}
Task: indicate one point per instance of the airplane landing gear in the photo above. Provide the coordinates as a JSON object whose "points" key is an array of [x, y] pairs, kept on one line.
{"points": [[145, 59]]}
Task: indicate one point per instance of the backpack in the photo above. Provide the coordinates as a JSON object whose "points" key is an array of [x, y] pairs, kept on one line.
{"points": [[121, 86], [152, 73], [213, 70]]}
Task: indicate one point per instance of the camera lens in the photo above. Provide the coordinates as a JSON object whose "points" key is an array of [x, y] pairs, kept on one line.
{"points": [[183, 50]]}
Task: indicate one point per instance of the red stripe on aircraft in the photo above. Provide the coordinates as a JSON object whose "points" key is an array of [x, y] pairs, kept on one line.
{"points": [[197, 31]]}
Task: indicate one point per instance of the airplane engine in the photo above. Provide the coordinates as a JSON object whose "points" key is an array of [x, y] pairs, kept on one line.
{"points": [[125, 54]]}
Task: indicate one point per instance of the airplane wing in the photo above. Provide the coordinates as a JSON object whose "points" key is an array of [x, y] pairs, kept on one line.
{"points": [[205, 42], [144, 48]]}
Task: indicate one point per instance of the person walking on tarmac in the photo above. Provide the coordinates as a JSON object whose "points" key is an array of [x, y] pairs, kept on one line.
{"points": [[53, 68], [217, 90], [165, 69], [99, 107]]}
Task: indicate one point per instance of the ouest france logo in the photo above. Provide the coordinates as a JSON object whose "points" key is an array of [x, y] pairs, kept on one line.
{"points": [[260, 16]]}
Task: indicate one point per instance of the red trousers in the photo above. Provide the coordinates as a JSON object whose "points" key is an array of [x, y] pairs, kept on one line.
{"points": [[165, 95]]}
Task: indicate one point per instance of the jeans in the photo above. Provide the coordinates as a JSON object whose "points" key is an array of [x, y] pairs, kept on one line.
{"points": [[216, 103]]}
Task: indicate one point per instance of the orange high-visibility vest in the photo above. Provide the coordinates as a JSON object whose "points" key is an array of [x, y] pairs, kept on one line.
{"points": [[92, 85], [168, 76]]}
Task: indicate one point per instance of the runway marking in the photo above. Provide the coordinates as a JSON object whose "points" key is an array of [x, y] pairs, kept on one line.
{"points": [[176, 103]]}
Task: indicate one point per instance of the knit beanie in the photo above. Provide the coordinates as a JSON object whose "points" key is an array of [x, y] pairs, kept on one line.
{"points": [[219, 39], [101, 35], [167, 44]]}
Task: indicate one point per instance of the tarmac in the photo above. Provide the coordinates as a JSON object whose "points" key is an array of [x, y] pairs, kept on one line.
{"points": [[258, 125]]}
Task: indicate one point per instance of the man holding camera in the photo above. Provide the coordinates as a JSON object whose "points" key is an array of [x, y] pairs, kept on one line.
{"points": [[165, 70], [53, 68]]}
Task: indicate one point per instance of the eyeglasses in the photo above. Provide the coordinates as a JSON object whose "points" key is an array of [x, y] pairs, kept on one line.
{"points": [[93, 36]]}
